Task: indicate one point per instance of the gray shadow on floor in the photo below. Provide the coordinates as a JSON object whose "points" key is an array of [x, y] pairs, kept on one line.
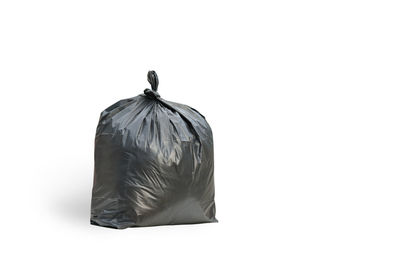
{"points": [[70, 199]]}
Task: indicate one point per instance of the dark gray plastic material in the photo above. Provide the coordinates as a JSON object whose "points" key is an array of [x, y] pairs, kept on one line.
{"points": [[154, 164]]}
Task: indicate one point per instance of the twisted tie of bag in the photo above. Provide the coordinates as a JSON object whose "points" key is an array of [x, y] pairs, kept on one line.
{"points": [[152, 78], [152, 93]]}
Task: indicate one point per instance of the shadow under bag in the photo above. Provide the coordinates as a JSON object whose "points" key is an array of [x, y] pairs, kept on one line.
{"points": [[154, 164]]}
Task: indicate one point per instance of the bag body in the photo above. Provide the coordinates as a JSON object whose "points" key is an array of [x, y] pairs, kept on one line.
{"points": [[154, 164]]}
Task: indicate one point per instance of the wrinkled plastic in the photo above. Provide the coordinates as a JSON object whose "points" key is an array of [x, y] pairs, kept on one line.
{"points": [[154, 164]]}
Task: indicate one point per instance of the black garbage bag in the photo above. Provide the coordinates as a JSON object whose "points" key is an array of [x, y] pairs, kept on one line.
{"points": [[154, 164]]}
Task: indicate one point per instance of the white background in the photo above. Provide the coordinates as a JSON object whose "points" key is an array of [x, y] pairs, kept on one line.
{"points": [[303, 98]]}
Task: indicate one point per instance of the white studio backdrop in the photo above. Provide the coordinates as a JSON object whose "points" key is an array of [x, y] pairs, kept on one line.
{"points": [[302, 96]]}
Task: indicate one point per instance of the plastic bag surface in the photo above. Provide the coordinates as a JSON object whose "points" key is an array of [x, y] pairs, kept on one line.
{"points": [[154, 164]]}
